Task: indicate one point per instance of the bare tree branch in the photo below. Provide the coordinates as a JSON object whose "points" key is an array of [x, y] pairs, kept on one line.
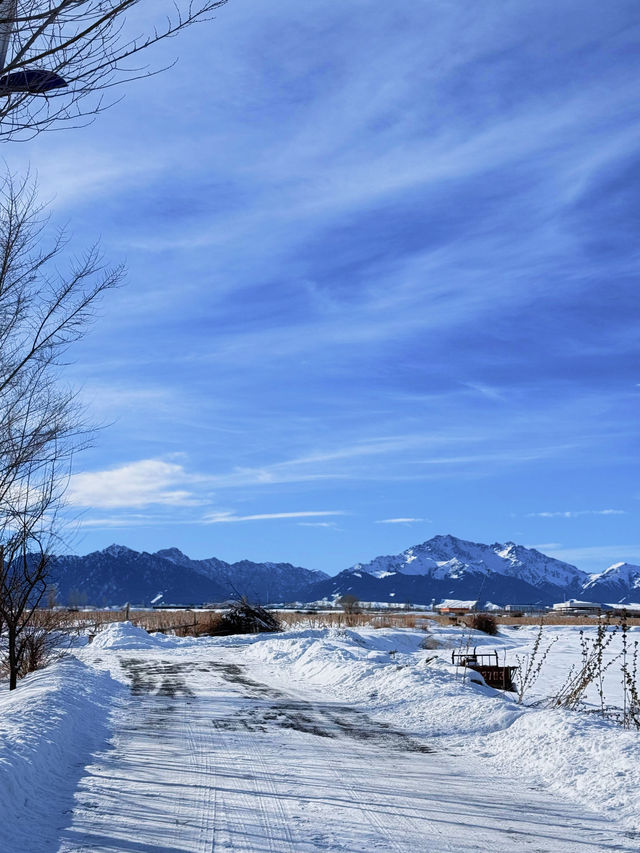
{"points": [[84, 42], [42, 311]]}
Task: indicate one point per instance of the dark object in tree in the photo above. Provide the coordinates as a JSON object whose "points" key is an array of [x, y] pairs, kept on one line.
{"points": [[244, 618], [85, 45], [33, 81], [483, 622]]}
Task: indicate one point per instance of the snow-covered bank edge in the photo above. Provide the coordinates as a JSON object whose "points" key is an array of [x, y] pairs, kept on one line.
{"points": [[592, 761], [49, 728], [588, 760]]}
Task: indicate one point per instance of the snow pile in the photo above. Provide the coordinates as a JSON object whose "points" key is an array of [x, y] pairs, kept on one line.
{"points": [[121, 636], [124, 635], [48, 728]]}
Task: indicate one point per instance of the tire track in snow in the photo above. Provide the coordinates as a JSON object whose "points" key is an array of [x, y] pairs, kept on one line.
{"points": [[351, 768], [337, 736], [203, 774], [153, 789], [447, 793], [245, 752]]}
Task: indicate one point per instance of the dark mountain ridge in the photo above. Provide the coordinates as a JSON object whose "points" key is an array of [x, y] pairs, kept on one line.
{"points": [[442, 567], [118, 574]]}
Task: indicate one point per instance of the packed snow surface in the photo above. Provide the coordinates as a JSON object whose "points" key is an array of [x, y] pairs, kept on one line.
{"points": [[312, 740]]}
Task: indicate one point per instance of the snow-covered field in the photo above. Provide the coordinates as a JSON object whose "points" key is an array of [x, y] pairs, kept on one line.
{"points": [[311, 740]]}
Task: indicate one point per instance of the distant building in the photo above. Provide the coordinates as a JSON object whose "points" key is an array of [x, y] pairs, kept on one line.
{"points": [[573, 607], [523, 608], [454, 607]]}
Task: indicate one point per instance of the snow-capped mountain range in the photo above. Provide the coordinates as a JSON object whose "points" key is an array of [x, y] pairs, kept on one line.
{"points": [[503, 573], [442, 567], [446, 557]]}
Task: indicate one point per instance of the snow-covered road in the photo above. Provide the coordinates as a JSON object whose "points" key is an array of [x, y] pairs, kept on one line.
{"points": [[209, 752]]}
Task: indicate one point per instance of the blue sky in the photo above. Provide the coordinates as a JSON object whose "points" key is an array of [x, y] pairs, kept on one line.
{"points": [[383, 284]]}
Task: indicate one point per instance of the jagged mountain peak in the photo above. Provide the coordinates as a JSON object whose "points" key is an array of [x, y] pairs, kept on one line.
{"points": [[118, 574], [618, 583], [448, 557], [118, 551], [621, 569], [173, 554]]}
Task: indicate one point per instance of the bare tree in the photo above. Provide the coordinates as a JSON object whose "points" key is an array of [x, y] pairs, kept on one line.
{"points": [[349, 603], [42, 312], [59, 57]]}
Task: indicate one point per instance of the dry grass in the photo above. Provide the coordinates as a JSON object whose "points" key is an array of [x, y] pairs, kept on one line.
{"points": [[41, 641], [182, 622], [199, 622], [338, 619]]}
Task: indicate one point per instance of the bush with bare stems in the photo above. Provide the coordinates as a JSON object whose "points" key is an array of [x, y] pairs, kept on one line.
{"points": [[530, 666], [591, 669], [45, 638]]}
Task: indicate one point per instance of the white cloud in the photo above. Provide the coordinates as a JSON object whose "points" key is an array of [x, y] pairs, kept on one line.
{"points": [[401, 520], [576, 513], [331, 524], [138, 484], [228, 517]]}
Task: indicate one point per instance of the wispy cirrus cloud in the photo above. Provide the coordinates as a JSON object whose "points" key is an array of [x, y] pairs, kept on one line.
{"points": [[576, 513], [117, 522], [229, 517], [402, 520], [431, 245]]}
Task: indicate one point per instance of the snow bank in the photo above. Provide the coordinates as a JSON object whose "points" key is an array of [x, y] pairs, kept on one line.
{"points": [[589, 760], [386, 671], [48, 728]]}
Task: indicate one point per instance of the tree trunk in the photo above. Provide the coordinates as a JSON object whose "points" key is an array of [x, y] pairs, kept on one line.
{"points": [[13, 661]]}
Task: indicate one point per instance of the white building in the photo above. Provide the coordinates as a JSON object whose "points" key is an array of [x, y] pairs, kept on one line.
{"points": [[573, 606]]}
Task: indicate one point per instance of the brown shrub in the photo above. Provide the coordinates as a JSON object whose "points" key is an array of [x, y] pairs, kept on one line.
{"points": [[483, 622]]}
